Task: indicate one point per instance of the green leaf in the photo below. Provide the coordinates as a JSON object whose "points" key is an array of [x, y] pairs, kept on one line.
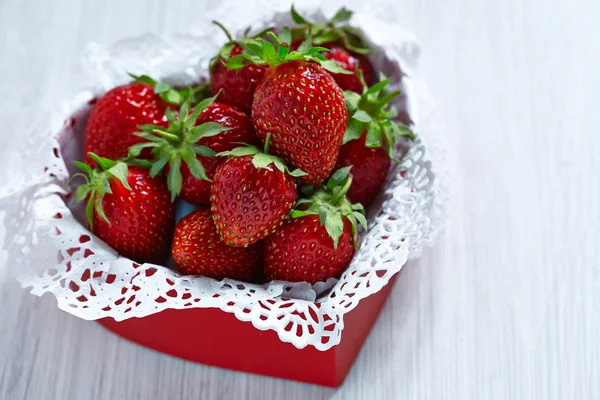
{"points": [[262, 160], [255, 48], [144, 79], [378, 87], [279, 164], [140, 163], [362, 116], [169, 114], [334, 67], [172, 96], [240, 152], [352, 100], [100, 209], [343, 15], [401, 130], [174, 179], [285, 36], [361, 219], [299, 213], [89, 212], [205, 130], [354, 130], [305, 45], [237, 62], [83, 166], [355, 45], [327, 37], [374, 135], [81, 193], [334, 225], [204, 151], [104, 163], [226, 50], [136, 149], [269, 50], [119, 171], [161, 87], [297, 173], [338, 177], [195, 166], [147, 136], [297, 17], [323, 211], [158, 165]]}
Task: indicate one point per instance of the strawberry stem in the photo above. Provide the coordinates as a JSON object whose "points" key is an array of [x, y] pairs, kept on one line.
{"points": [[267, 142], [167, 135], [343, 190]]}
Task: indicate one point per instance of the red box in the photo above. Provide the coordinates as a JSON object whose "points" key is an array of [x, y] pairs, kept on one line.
{"points": [[213, 337]]}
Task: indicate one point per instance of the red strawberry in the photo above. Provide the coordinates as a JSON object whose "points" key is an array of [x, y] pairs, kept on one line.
{"points": [[351, 63], [371, 165], [128, 209], [117, 115], [299, 104], [370, 140], [319, 242], [187, 148], [252, 194], [198, 250], [345, 43], [236, 87]]}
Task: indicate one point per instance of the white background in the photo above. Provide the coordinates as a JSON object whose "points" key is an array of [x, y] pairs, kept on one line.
{"points": [[506, 306]]}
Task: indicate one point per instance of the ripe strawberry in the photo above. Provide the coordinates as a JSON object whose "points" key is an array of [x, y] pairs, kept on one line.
{"points": [[117, 115], [128, 209], [252, 194], [236, 87], [186, 148], [318, 242], [299, 104], [351, 63], [344, 42], [370, 140], [198, 250]]}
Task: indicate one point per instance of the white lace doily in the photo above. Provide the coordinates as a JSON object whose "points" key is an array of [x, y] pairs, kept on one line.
{"points": [[50, 251]]}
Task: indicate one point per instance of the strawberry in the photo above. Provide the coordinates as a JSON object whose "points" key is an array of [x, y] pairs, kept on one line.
{"points": [[127, 209], [186, 149], [198, 250], [319, 240], [345, 46], [252, 194], [236, 87], [116, 116], [352, 63], [370, 139], [298, 103]]}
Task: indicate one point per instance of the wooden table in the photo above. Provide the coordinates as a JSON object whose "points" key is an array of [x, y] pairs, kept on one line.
{"points": [[505, 307]]}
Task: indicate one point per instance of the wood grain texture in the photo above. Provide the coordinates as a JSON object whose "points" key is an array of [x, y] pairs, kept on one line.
{"points": [[505, 307]]}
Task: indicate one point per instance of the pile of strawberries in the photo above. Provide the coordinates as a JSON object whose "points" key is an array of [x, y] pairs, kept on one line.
{"points": [[279, 152]]}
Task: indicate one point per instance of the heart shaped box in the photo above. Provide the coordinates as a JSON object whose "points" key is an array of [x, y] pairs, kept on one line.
{"points": [[279, 329]]}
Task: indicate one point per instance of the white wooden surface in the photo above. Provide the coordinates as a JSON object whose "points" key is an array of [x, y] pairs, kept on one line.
{"points": [[506, 307]]}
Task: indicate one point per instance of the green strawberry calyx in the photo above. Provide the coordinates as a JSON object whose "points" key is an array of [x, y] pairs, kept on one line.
{"points": [[225, 52], [263, 52], [334, 30], [176, 144], [329, 202], [371, 112], [97, 184], [261, 158], [170, 94]]}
